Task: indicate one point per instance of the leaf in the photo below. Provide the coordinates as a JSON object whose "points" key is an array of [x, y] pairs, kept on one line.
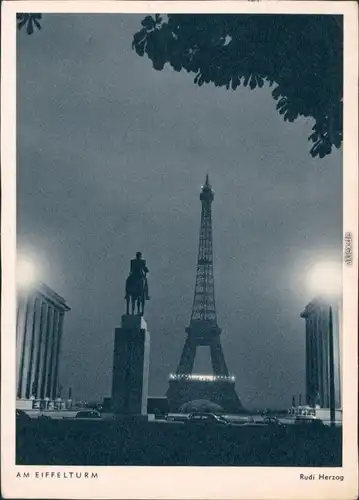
{"points": [[29, 27], [148, 23], [21, 23], [314, 137], [276, 93], [235, 82], [253, 82], [29, 20], [37, 24]]}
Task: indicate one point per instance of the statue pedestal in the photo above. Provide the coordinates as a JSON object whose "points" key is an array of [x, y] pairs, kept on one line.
{"points": [[131, 363]]}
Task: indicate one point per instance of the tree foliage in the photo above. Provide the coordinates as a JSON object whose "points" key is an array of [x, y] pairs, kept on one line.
{"points": [[28, 21], [301, 56]]}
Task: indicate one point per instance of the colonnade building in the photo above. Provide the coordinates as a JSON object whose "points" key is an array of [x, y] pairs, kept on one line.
{"points": [[39, 327], [322, 320]]}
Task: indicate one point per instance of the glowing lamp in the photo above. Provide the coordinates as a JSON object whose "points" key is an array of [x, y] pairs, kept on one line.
{"points": [[325, 279], [26, 274]]}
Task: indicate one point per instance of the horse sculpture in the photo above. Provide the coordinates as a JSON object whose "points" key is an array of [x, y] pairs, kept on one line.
{"points": [[135, 292]]}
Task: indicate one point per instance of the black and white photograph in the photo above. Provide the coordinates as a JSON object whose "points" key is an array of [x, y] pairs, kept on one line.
{"points": [[185, 244]]}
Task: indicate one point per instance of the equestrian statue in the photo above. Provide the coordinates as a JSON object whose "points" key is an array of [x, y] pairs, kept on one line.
{"points": [[137, 286]]}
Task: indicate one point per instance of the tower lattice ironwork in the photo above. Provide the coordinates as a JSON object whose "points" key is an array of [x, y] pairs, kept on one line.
{"points": [[204, 306], [203, 330]]}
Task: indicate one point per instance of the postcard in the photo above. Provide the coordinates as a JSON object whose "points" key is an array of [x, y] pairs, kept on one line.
{"points": [[179, 249]]}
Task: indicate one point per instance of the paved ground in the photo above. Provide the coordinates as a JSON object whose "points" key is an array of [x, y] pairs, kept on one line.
{"points": [[139, 442], [177, 418]]}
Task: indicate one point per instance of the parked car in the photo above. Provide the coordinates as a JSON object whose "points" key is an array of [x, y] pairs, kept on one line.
{"points": [[44, 417], [206, 419], [88, 414], [160, 416], [308, 420], [176, 417], [272, 421]]}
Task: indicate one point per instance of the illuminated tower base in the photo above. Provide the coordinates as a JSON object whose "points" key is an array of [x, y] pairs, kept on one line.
{"points": [[219, 390]]}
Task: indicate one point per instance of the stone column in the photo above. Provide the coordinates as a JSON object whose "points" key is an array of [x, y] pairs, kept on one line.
{"points": [[318, 326], [40, 353], [42, 358], [307, 364], [35, 347], [315, 358], [131, 367], [30, 347], [51, 351], [48, 337], [325, 350], [25, 361], [23, 307], [56, 354], [310, 363]]}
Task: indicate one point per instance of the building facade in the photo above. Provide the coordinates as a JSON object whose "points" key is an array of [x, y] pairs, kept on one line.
{"points": [[323, 323], [39, 327]]}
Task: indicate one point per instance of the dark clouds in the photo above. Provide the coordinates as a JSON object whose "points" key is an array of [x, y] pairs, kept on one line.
{"points": [[111, 156]]}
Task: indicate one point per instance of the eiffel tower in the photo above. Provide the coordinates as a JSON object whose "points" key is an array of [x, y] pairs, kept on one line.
{"points": [[219, 386]]}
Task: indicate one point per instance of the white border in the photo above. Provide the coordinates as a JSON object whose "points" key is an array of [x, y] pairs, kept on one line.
{"points": [[179, 482]]}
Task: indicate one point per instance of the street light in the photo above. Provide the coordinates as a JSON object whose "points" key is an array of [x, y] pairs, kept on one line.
{"points": [[26, 273], [325, 279]]}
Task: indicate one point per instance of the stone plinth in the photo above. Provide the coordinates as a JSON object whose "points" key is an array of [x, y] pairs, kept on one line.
{"points": [[131, 367]]}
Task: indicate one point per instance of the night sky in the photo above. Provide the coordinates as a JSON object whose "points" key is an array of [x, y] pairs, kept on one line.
{"points": [[111, 157]]}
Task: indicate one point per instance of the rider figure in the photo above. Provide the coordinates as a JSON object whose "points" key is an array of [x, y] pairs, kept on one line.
{"points": [[139, 269]]}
